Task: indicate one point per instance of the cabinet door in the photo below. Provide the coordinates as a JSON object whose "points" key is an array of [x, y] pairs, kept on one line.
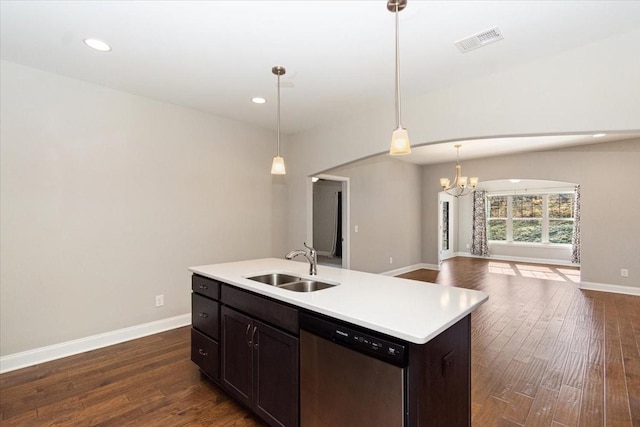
{"points": [[276, 375], [237, 354]]}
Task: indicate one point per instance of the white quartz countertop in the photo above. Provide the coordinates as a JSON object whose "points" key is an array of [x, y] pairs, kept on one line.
{"points": [[407, 309]]}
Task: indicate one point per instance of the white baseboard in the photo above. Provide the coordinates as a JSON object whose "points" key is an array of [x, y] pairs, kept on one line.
{"points": [[604, 287], [23, 359], [410, 268], [520, 259]]}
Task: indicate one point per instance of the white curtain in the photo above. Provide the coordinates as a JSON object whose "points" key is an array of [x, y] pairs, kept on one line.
{"points": [[480, 241], [575, 238]]}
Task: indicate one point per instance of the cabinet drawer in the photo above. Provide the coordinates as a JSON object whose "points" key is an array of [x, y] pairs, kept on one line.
{"points": [[205, 353], [205, 315], [267, 310], [205, 286]]}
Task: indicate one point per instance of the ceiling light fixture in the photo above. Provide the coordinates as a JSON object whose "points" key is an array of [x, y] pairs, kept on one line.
{"points": [[400, 138], [258, 100], [461, 186], [98, 45], [277, 167]]}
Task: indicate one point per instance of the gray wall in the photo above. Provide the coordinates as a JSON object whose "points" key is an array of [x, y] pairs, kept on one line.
{"points": [[610, 211], [385, 205], [107, 198]]}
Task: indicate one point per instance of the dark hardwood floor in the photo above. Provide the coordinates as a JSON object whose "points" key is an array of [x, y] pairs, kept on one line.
{"points": [[145, 382], [544, 354]]}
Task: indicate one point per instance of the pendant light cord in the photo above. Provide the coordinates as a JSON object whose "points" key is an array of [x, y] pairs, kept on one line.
{"points": [[278, 121], [398, 103]]}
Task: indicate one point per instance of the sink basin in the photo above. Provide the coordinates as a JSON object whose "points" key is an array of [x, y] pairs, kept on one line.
{"points": [[275, 279], [306, 286], [290, 282]]}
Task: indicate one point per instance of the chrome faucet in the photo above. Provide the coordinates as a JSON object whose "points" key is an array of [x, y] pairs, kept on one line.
{"points": [[311, 256]]}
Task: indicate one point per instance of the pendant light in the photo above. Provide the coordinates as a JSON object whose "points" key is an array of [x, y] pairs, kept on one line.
{"points": [[400, 138], [277, 166], [461, 186]]}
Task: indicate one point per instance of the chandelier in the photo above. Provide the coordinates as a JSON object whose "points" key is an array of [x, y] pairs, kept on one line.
{"points": [[461, 185]]}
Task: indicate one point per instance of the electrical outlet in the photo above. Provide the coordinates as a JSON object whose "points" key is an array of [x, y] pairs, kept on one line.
{"points": [[468, 246], [624, 272], [390, 260], [159, 300], [356, 228]]}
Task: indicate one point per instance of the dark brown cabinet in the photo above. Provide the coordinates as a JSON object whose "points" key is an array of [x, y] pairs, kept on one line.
{"points": [[260, 367], [205, 315], [249, 345], [205, 322], [237, 355], [276, 375], [205, 353], [439, 389]]}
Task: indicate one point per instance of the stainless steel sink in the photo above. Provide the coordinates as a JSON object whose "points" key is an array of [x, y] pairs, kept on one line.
{"points": [[306, 286], [275, 279], [291, 282]]}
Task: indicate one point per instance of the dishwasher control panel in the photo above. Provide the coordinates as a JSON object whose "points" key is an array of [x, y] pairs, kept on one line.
{"points": [[368, 343]]}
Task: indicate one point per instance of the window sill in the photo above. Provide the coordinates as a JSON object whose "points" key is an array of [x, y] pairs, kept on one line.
{"points": [[531, 245]]}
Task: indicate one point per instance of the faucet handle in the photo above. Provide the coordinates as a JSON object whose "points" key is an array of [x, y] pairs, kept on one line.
{"points": [[309, 247]]}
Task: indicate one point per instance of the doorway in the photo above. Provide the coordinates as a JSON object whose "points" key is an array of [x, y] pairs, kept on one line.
{"points": [[446, 214], [329, 222]]}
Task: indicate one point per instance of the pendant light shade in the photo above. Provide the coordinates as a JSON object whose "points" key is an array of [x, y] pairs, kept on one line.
{"points": [[400, 142], [277, 166], [400, 138]]}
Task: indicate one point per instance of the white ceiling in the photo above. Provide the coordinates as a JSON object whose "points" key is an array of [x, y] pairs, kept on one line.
{"points": [[214, 56]]}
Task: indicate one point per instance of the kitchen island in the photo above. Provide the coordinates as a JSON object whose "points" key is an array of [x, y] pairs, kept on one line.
{"points": [[237, 322]]}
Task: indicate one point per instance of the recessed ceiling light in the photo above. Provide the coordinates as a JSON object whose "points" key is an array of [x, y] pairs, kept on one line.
{"points": [[258, 100], [97, 45], [599, 135]]}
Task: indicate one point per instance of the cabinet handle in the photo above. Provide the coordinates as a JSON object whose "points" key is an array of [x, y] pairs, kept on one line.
{"points": [[203, 315], [202, 352], [255, 345], [249, 342], [205, 287]]}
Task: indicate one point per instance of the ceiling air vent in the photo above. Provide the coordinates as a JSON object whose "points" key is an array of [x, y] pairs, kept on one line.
{"points": [[478, 40]]}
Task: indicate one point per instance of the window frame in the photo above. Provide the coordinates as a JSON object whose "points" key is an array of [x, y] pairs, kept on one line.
{"points": [[544, 241]]}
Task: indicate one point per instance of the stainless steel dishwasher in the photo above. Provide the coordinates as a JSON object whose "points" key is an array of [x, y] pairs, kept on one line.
{"points": [[350, 376]]}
